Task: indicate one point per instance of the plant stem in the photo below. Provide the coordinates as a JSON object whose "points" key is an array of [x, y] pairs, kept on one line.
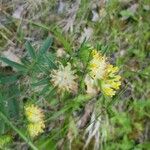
{"points": [[2, 116]]}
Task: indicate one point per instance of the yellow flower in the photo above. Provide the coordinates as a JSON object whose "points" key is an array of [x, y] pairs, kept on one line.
{"points": [[64, 79], [35, 129], [35, 117], [101, 70], [97, 65], [111, 82], [33, 113]]}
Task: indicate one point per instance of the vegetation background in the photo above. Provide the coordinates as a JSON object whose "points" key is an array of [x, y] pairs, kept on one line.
{"points": [[121, 28]]}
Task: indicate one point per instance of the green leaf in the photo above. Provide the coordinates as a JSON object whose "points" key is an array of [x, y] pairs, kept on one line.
{"points": [[77, 102], [73, 127], [9, 95], [145, 145], [41, 82], [45, 143], [46, 90], [50, 60], [2, 124], [8, 79], [30, 49], [4, 141], [126, 13], [19, 67], [84, 53], [5, 119], [46, 45], [63, 40], [2, 127], [58, 113]]}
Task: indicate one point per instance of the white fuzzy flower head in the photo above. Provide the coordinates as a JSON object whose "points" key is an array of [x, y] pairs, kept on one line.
{"points": [[61, 52], [64, 79]]}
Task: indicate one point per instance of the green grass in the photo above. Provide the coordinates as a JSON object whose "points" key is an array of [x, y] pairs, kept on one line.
{"points": [[125, 43]]}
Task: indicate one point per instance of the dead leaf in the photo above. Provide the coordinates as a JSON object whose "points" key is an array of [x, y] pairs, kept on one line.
{"points": [[60, 52], [86, 34], [133, 8], [62, 7], [68, 23], [85, 118], [18, 12], [95, 16]]}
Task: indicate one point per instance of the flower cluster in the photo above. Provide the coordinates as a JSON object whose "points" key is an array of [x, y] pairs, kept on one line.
{"points": [[111, 81], [102, 77], [35, 117], [97, 65]]}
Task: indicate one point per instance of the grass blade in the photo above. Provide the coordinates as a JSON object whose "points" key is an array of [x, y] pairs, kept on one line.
{"points": [[63, 40], [30, 49], [41, 82], [3, 117], [46, 45], [8, 79]]}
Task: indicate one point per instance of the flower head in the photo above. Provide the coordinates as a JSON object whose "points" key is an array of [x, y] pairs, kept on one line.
{"points": [[64, 79], [61, 52], [101, 70], [33, 113], [111, 82], [35, 117], [35, 129], [97, 65]]}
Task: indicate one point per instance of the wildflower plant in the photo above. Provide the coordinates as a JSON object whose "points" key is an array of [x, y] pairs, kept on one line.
{"points": [[62, 87], [84, 87], [35, 118], [103, 75]]}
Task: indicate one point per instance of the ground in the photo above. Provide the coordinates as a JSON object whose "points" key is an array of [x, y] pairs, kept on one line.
{"points": [[36, 36]]}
